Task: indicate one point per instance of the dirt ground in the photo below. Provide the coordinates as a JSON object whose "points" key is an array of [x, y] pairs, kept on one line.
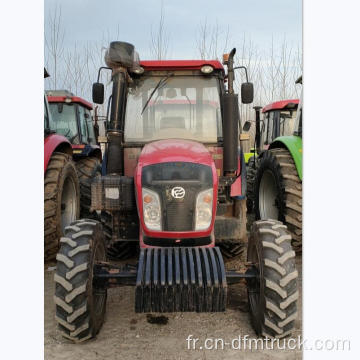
{"points": [[127, 335]]}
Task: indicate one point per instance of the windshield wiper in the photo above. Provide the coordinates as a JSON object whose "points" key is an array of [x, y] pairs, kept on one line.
{"points": [[161, 82]]}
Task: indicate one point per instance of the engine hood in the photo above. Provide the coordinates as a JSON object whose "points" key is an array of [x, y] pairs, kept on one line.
{"points": [[170, 150]]}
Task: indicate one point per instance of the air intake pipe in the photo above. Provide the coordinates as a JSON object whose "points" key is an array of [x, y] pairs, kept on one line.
{"points": [[257, 127], [231, 122], [115, 133], [118, 57]]}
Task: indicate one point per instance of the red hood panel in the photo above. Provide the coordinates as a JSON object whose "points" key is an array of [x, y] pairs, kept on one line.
{"points": [[170, 150], [173, 150]]}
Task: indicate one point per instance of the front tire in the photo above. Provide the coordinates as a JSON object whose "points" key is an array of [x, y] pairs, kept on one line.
{"points": [[278, 192], [273, 294], [61, 200], [80, 307]]}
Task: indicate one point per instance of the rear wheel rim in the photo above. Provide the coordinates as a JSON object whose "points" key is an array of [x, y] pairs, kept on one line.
{"points": [[68, 203], [268, 208]]}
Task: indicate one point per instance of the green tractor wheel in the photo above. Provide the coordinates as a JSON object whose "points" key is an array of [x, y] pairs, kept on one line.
{"points": [[278, 192]]}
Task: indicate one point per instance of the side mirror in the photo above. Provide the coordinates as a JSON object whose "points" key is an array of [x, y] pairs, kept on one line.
{"points": [[247, 93], [247, 126], [98, 93]]}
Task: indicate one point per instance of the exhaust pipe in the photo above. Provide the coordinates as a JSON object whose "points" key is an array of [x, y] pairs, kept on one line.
{"points": [[231, 121], [119, 57], [257, 128], [115, 135]]}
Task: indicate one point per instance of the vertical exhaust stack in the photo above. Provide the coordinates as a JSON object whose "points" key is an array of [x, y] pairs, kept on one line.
{"points": [[119, 57], [231, 121], [115, 135], [257, 128]]}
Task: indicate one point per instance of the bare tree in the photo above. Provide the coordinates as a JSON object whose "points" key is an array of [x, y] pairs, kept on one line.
{"points": [[159, 45], [249, 56], [54, 44], [208, 39], [75, 71]]}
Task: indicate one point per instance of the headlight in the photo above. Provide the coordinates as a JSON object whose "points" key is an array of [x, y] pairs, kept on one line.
{"points": [[204, 202], [151, 209]]}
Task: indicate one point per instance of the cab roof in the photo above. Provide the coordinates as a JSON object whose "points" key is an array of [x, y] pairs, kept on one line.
{"points": [[281, 105], [180, 64], [56, 96]]}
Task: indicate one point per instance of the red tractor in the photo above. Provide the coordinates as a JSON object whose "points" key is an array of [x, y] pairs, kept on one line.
{"points": [[72, 159], [174, 181]]}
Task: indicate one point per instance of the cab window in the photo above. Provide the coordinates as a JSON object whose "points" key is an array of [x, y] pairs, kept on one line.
{"points": [[90, 127], [263, 127], [270, 128], [46, 115], [83, 125]]}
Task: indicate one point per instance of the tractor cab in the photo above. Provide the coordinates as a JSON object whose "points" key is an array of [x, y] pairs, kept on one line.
{"points": [[278, 120], [168, 103], [71, 117]]}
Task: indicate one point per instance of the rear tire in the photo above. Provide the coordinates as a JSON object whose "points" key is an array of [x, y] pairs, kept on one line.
{"points": [[273, 295], [61, 200], [80, 307], [88, 168], [278, 192]]}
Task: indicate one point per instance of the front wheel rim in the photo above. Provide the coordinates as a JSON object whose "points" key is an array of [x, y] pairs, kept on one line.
{"points": [[268, 205]]}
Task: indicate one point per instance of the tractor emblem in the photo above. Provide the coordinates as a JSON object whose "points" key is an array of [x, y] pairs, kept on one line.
{"points": [[177, 192]]}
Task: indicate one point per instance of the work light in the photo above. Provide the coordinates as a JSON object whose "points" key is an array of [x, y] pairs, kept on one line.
{"points": [[207, 69]]}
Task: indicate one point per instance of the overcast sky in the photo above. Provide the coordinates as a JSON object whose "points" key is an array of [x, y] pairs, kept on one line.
{"points": [[260, 20]]}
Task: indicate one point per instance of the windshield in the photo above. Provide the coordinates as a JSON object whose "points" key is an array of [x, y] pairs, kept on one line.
{"points": [[185, 107], [63, 120]]}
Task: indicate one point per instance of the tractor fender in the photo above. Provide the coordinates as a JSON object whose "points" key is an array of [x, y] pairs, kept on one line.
{"points": [[294, 145], [58, 143], [96, 152], [81, 151]]}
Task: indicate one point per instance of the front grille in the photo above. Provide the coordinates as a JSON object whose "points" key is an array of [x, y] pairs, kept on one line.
{"points": [[179, 217], [178, 214]]}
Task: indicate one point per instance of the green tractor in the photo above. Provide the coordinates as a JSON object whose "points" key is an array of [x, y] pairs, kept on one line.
{"points": [[278, 120], [274, 179]]}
